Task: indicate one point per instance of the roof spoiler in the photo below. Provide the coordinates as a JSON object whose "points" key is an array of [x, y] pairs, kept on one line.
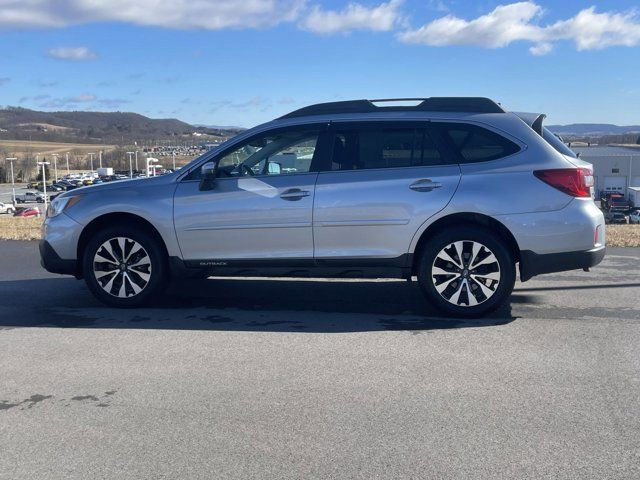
{"points": [[537, 124], [534, 120]]}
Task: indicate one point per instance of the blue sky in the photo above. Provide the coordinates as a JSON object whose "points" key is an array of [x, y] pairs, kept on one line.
{"points": [[230, 62]]}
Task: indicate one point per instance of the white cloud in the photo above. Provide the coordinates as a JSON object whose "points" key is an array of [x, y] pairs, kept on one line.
{"points": [[354, 16], [506, 24], [594, 31], [72, 53], [541, 49], [498, 28], [83, 97], [177, 14], [86, 101]]}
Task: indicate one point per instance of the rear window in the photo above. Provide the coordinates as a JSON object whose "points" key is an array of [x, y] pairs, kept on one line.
{"points": [[557, 143], [474, 143]]}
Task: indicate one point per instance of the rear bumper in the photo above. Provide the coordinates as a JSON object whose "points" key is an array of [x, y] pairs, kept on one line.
{"points": [[52, 262], [532, 264]]}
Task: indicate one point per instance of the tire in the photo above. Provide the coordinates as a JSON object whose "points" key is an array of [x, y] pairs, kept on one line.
{"points": [[453, 287], [119, 284], [10, 211]]}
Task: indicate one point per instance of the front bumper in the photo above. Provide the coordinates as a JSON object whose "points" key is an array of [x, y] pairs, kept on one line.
{"points": [[532, 264], [52, 262]]}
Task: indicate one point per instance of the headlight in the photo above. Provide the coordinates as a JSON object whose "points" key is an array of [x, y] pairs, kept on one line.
{"points": [[59, 204]]}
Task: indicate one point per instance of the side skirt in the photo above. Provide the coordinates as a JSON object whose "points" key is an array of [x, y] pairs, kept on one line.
{"points": [[399, 267]]}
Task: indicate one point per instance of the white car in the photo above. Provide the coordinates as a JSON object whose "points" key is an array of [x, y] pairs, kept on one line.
{"points": [[7, 208], [634, 217]]}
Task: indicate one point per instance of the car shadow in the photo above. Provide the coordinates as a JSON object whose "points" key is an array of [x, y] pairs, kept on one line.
{"points": [[260, 305]]}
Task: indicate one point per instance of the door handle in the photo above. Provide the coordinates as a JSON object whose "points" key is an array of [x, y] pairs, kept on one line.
{"points": [[294, 194], [424, 185]]}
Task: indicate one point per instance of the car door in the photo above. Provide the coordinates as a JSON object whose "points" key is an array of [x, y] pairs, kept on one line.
{"points": [[383, 182], [261, 204]]}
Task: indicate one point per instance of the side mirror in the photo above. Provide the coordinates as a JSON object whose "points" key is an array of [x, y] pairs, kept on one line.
{"points": [[209, 173], [274, 168]]}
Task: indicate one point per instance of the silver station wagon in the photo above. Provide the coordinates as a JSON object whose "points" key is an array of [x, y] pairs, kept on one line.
{"points": [[455, 191]]}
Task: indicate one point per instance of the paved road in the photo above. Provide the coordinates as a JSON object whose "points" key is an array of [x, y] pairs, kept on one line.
{"points": [[316, 379]]}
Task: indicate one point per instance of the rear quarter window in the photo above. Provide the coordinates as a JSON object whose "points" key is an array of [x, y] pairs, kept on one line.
{"points": [[475, 144]]}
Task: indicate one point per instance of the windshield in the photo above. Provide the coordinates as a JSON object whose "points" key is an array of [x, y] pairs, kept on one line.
{"points": [[556, 143]]}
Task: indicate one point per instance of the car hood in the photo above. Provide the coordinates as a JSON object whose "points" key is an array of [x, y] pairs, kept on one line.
{"points": [[120, 184]]}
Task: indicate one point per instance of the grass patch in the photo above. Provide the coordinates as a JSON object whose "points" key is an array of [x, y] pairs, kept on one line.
{"points": [[16, 228], [623, 235]]}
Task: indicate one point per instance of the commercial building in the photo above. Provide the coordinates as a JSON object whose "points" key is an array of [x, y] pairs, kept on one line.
{"points": [[614, 168]]}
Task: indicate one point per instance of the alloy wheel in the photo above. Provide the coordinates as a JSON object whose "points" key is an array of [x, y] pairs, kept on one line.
{"points": [[466, 273], [122, 267]]}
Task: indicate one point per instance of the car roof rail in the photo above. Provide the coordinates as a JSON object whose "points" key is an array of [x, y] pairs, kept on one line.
{"points": [[430, 104]]}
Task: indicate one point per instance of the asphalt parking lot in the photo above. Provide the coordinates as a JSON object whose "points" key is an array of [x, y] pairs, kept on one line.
{"points": [[319, 379], [6, 192]]}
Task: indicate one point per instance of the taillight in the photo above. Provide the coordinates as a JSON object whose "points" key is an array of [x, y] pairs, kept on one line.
{"points": [[576, 182]]}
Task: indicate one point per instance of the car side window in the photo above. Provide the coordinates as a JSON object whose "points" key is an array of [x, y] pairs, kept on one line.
{"points": [[282, 152], [474, 143], [374, 147]]}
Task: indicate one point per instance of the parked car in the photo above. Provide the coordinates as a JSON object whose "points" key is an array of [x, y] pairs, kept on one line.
{"points": [[27, 212], [456, 191], [634, 217], [67, 185], [50, 188], [616, 217], [7, 208], [30, 197], [617, 203]]}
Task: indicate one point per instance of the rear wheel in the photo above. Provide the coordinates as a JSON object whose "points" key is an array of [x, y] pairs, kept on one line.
{"points": [[466, 271], [124, 267]]}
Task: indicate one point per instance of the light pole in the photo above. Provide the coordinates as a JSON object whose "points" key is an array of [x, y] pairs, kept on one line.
{"points": [[68, 171], [136, 159], [151, 160], [130, 168], [13, 183], [100, 158], [174, 160], [55, 166], [44, 183], [91, 157]]}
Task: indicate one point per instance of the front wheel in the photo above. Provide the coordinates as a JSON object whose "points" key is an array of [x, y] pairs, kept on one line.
{"points": [[466, 271], [124, 267]]}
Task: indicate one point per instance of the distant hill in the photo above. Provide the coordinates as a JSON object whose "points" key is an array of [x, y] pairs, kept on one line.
{"points": [[91, 127], [593, 129]]}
